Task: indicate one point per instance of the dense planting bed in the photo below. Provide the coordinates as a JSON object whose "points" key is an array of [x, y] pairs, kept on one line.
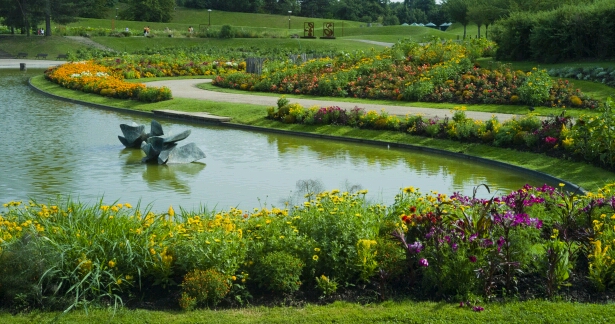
{"points": [[534, 242]]}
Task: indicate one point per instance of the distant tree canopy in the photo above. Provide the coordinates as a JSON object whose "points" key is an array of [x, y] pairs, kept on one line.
{"points": [[25, 15], [149, 10]]}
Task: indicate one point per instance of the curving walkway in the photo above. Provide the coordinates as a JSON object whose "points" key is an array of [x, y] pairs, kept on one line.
{"points": [[186, 88]]}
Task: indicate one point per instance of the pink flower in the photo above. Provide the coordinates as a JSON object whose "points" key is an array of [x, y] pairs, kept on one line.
{"points": [[551, 140], [472, 258], [477, 309], [423, 263]]}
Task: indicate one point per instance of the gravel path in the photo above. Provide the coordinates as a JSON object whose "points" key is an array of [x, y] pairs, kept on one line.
{"points": [[187, 89]]}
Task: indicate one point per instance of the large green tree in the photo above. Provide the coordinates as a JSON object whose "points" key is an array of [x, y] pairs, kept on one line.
{"points": [[26, 14], [149, 10], [457, 10]]}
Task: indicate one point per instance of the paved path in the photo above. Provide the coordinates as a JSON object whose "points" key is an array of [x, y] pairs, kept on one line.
{"points": [[30, 64], [187, 89], [372, 42]]}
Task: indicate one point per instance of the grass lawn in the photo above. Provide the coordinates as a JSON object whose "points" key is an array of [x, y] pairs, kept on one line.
{"points": [[587, 176], [297, 45], [342, 312], [33, 45]]}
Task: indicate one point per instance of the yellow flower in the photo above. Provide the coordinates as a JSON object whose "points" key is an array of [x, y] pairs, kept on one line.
{"points": [[171, 211], [315, 258], [234, 278], [119, 281], [128, 277], [111, 264], [317, 249]]}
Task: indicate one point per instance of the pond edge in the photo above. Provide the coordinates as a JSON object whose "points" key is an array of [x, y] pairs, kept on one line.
{"points": [[569, 186]]}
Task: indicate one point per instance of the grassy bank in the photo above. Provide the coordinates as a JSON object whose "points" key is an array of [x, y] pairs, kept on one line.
{"points": [[587, 176], [340, 312]]}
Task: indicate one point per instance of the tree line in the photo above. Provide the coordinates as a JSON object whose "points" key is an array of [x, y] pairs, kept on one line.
{"points": [[24, 15]]}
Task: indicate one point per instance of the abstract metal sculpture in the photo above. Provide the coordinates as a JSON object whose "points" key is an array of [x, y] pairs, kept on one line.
{"points": [[157, 147]]}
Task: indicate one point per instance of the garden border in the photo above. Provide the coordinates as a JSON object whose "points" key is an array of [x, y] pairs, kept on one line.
{"points": [[568, 185]]}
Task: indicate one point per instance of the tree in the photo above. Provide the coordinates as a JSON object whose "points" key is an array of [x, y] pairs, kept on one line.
{"points": [[25, 14], [494, 10], [149, 10], [458, 12], [475, 13], [61, 12]]}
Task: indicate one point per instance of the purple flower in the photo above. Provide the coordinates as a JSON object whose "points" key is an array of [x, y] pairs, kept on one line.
{"points": [[423, 263], [415, 247], [472, 258], [477, 309], [501, 242], [473, 237], [551, 140], [454, 247]]}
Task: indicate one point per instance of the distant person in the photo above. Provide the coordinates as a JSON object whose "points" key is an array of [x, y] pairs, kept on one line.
{"points": [[190, 30], [126, 29], [42, 31]]}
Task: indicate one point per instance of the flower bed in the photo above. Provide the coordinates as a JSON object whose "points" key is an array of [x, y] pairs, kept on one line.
{"points": [[532, 242], [137, 66], [94, 78], [436, 72], [586, 138]]}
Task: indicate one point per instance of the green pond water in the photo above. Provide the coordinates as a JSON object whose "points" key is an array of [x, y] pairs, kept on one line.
{"points": [[51, 147]]}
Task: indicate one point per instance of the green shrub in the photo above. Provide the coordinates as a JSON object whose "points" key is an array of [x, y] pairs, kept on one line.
{"points": [[226, 32], [279, 272], [203, 288]]}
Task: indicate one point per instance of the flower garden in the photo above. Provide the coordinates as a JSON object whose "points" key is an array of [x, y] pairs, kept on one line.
{"points": [[435, 72], [532, 243], [536, 242], [95, 78]]}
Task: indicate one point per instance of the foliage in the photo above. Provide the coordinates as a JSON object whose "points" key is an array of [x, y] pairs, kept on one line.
{"points": [[326, 285], [594, 74], [279, 272], [572, 32], [203, 288], [226, 32], [436, 72], [448, 247], [150, 10]]}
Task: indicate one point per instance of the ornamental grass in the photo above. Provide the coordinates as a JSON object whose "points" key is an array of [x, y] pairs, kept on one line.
{"points": [[532, 243]]}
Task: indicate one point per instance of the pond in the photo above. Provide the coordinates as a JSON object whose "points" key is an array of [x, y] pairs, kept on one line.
{"points": [[51, 148]]}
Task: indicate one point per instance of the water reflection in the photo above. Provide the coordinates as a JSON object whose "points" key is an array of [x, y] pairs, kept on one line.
{"points": [[62, 148], [171, 176]]}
